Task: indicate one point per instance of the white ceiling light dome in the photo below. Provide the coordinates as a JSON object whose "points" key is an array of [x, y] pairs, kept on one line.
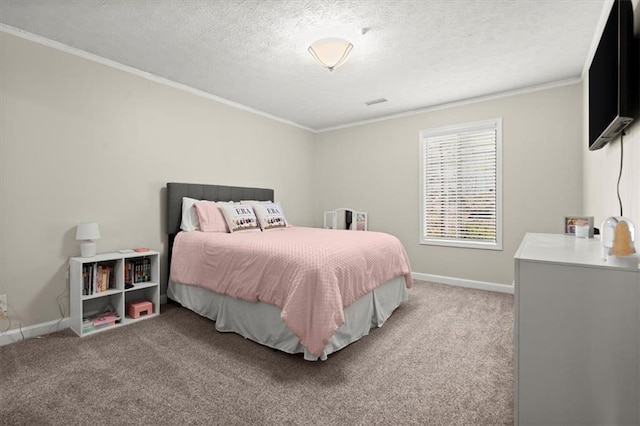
{"points": [[331, 52]]}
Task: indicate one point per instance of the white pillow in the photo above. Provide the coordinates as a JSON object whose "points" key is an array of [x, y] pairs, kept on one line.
{"points": [[239, 217], [252, 202], [270, 216], [189, 216]]}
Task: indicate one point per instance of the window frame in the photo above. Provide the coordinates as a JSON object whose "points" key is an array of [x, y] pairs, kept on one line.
{"points": [[448, 130]]}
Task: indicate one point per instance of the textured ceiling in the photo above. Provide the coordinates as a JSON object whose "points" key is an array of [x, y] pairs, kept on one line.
{"points": [[417, 54]]}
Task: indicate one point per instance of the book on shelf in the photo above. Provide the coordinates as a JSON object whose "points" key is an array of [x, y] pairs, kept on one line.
{"points": [[137, 270], [102, 320], [98, 277], [108, 318]]}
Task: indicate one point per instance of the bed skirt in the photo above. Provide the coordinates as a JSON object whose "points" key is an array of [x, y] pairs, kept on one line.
{"points": [[261, 322]]}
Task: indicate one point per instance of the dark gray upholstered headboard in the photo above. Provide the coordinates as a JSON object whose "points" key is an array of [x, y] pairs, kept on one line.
{"points": [[175, 192]]}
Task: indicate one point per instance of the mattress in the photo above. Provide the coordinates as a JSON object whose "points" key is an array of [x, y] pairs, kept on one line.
{"points": [[311, 274]]}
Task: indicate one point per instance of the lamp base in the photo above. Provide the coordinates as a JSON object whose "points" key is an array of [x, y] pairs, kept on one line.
{"points": [[88, 249]]}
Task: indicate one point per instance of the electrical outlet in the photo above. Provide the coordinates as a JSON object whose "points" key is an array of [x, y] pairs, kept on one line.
{"points": [[4, 306]]}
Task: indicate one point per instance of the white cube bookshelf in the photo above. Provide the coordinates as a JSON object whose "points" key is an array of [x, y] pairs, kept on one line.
{"points": [[89, 301]]}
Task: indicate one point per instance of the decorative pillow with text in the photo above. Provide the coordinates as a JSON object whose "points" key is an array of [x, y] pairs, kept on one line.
{"points": [[270, 216], [239, 217]]}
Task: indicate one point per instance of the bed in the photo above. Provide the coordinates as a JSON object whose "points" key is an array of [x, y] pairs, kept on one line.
{"points": [[315, 301]]}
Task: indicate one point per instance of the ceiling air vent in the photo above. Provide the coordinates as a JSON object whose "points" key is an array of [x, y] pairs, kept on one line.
{"points": [[376, 101]]}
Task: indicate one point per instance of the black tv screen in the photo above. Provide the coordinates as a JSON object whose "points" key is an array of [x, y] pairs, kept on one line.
{"points": [[612, 78]]}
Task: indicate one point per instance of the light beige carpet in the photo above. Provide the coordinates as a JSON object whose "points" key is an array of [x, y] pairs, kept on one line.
{"points": [[443, 358]]}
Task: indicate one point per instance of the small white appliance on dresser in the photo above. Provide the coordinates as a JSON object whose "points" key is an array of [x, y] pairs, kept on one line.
{"points": [[576, 334]]}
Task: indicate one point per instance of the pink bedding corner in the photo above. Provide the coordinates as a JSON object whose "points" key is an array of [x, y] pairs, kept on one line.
{"points": [[311, 274]]}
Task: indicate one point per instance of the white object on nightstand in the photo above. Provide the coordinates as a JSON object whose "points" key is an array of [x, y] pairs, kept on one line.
{"points": [[88, 233], [114, 299]]}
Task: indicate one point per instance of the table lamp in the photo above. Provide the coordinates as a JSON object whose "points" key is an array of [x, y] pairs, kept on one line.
{"points": [[618, 242], [87, 233]]}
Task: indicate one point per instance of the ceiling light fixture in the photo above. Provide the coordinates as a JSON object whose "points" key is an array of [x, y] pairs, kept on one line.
{"points": [[331, 52]]}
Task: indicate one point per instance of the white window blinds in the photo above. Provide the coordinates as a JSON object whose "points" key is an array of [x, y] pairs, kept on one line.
{"points": [[461, 186]]}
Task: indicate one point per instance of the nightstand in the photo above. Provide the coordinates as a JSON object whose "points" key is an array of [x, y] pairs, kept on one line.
{"points": [[102, 286]]}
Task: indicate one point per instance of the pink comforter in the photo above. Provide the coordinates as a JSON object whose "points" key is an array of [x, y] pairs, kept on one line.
{"points": [[311, 274]]}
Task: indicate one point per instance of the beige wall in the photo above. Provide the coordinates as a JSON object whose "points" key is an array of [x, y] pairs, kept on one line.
{"points": [[601, 167], [81, 141], [375, 168]]}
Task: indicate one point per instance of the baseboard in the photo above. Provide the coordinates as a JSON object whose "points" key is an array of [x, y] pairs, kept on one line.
{"points": [[16, 334], [460, 282], [29, 332]]}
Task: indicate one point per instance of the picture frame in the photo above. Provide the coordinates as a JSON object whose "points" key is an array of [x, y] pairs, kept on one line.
{"points": [[570, 223]]}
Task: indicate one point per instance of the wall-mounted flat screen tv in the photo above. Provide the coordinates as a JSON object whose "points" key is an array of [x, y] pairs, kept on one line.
{"points": [[613, 87]]}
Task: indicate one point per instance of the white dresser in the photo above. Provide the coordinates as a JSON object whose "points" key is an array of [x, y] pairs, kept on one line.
{"points": [[576, 335]]}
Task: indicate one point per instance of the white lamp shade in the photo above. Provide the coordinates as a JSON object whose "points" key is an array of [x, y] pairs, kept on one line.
{"points": [[88, 231], [331, 52]]}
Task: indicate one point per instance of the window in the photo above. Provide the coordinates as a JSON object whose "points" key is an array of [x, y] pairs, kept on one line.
{"points": [[461, 185]]}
